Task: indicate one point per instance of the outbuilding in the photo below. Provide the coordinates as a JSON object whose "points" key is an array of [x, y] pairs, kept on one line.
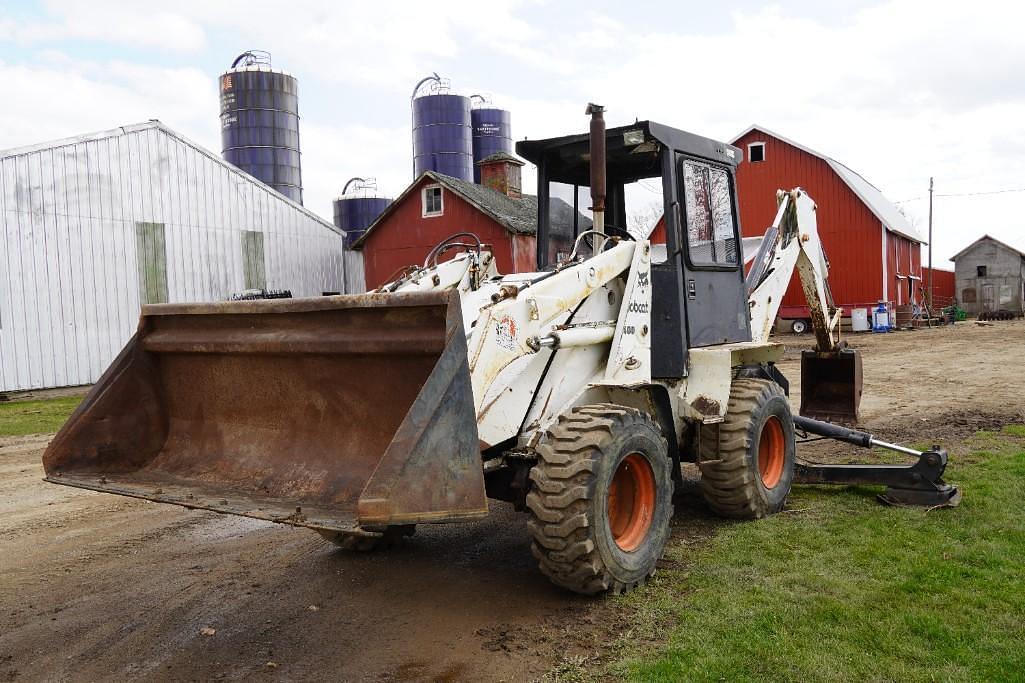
{"points": [[990, 276], [95, 226], [436, 206], [874, 252]]}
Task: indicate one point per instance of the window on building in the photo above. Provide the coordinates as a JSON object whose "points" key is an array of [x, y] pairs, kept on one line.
{"points": [[711, 235], [432, 201], [980, 271], [756, 152], [253, 271], [151, 259]]}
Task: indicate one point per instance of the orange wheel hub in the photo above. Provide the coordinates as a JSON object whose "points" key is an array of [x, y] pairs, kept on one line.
{"points": [[772, 448], [631, 503]]}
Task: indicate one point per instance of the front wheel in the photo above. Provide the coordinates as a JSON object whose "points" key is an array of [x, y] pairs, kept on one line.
{"points": [[747, 464], [799, 326], [601, 502]]}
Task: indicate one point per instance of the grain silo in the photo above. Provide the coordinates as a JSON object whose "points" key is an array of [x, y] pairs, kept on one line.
{"points": [[492, 132], [260, 122], [442, 140], [358, 207]]}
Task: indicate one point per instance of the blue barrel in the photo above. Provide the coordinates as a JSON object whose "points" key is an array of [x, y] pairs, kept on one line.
{"points": [[260, 126], [355, 214], [492, 132], [441, 136]]}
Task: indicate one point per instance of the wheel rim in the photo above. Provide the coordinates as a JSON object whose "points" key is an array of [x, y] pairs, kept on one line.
{"points": [[771, 452], [631, 503]]}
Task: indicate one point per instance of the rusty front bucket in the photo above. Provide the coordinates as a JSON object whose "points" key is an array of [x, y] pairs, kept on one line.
{"points": [[831, 385], [336, 413]]}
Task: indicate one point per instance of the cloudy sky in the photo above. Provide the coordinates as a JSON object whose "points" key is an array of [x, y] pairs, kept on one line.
{"points": [[898, 90]]}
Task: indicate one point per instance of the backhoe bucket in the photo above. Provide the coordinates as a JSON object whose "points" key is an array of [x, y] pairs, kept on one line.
{"points": [[831, 385], [341, 413]]}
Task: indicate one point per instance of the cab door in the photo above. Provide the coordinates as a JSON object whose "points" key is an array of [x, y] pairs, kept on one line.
{"points": [[716, 301]]}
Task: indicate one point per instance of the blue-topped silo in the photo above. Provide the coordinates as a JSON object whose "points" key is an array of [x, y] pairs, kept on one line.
{"points": [[358, 207], [442, 140], [260, 122], [492, 133]]}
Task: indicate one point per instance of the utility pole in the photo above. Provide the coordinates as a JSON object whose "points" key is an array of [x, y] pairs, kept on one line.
{"points": [[929, 292]]}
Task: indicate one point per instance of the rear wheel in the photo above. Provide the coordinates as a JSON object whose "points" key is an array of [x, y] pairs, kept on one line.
{"points": [[747, 465], [387, 538], [601, 501], [799, 326]]}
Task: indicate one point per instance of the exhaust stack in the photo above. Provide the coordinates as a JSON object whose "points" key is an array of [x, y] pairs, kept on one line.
{"points": [[597, 150]]}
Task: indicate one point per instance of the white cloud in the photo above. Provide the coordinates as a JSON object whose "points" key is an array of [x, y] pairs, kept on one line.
{"points": [[60, 97], [121, 22]]}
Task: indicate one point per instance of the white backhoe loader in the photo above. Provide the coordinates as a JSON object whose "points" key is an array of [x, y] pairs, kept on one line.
{"points": [[574, 392]]}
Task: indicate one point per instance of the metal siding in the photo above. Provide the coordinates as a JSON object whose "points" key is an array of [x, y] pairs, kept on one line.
{"points": [[942, 283], [849, 230], [69, 290], [6, 354], [355, 273]]}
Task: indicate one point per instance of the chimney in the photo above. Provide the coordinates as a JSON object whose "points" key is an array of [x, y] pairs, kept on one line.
{"points": [[501, 172]]}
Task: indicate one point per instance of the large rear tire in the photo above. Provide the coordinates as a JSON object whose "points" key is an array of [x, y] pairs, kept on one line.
{"points": [[601, 501], [747, 465]]}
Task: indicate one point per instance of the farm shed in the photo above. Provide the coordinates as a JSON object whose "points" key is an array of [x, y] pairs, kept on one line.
{"points": [[94, 226], [874, 252], [990, 276], [436, 206]]}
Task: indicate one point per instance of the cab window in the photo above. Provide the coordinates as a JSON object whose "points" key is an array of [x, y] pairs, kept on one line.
{"points": [[711, 234]]}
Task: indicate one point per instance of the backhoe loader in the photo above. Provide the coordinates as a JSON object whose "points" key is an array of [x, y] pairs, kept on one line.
{"points": [[574, 391]]}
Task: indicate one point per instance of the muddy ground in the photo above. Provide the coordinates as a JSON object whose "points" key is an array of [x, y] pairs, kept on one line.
{"points": [[94, 586]]}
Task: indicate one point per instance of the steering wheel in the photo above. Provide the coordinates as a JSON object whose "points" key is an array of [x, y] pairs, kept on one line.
{"points": [[451, 242], [610, 231]]}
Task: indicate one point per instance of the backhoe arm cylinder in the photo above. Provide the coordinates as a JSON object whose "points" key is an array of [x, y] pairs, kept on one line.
{"points": [[851, 436], [832, 431]]}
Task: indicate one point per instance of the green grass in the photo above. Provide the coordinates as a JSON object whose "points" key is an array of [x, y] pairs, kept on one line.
{"points": [[840, 588], [35, 417]]}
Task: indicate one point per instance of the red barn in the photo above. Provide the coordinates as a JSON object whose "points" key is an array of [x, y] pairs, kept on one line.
{"points": [[874, 252], [942, 285], [437, 206]]}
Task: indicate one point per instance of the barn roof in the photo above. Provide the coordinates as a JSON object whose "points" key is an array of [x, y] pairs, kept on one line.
{"points": [[869, 194], [518, 216], [991, 239]]}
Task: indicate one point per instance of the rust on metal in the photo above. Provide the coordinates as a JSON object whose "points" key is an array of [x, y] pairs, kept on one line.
{"points": [[706, 406], [329, 413], [596, 141], [831, 385]]}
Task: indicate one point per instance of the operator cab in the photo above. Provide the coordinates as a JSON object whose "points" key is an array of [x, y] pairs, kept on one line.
{"points": [[698, 293]]}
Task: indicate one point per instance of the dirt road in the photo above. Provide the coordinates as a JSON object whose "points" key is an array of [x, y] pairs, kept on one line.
{"points": [[94, 586]]}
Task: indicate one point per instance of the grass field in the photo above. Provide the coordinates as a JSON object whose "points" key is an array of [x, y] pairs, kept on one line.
{"points": [[35, 417], [840, 588]]}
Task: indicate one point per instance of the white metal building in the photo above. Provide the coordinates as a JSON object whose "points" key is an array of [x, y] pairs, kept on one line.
{"points": [[92, 227]]}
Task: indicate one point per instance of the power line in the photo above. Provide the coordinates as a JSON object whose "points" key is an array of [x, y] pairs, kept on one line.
{"points": [[963, 194]]}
